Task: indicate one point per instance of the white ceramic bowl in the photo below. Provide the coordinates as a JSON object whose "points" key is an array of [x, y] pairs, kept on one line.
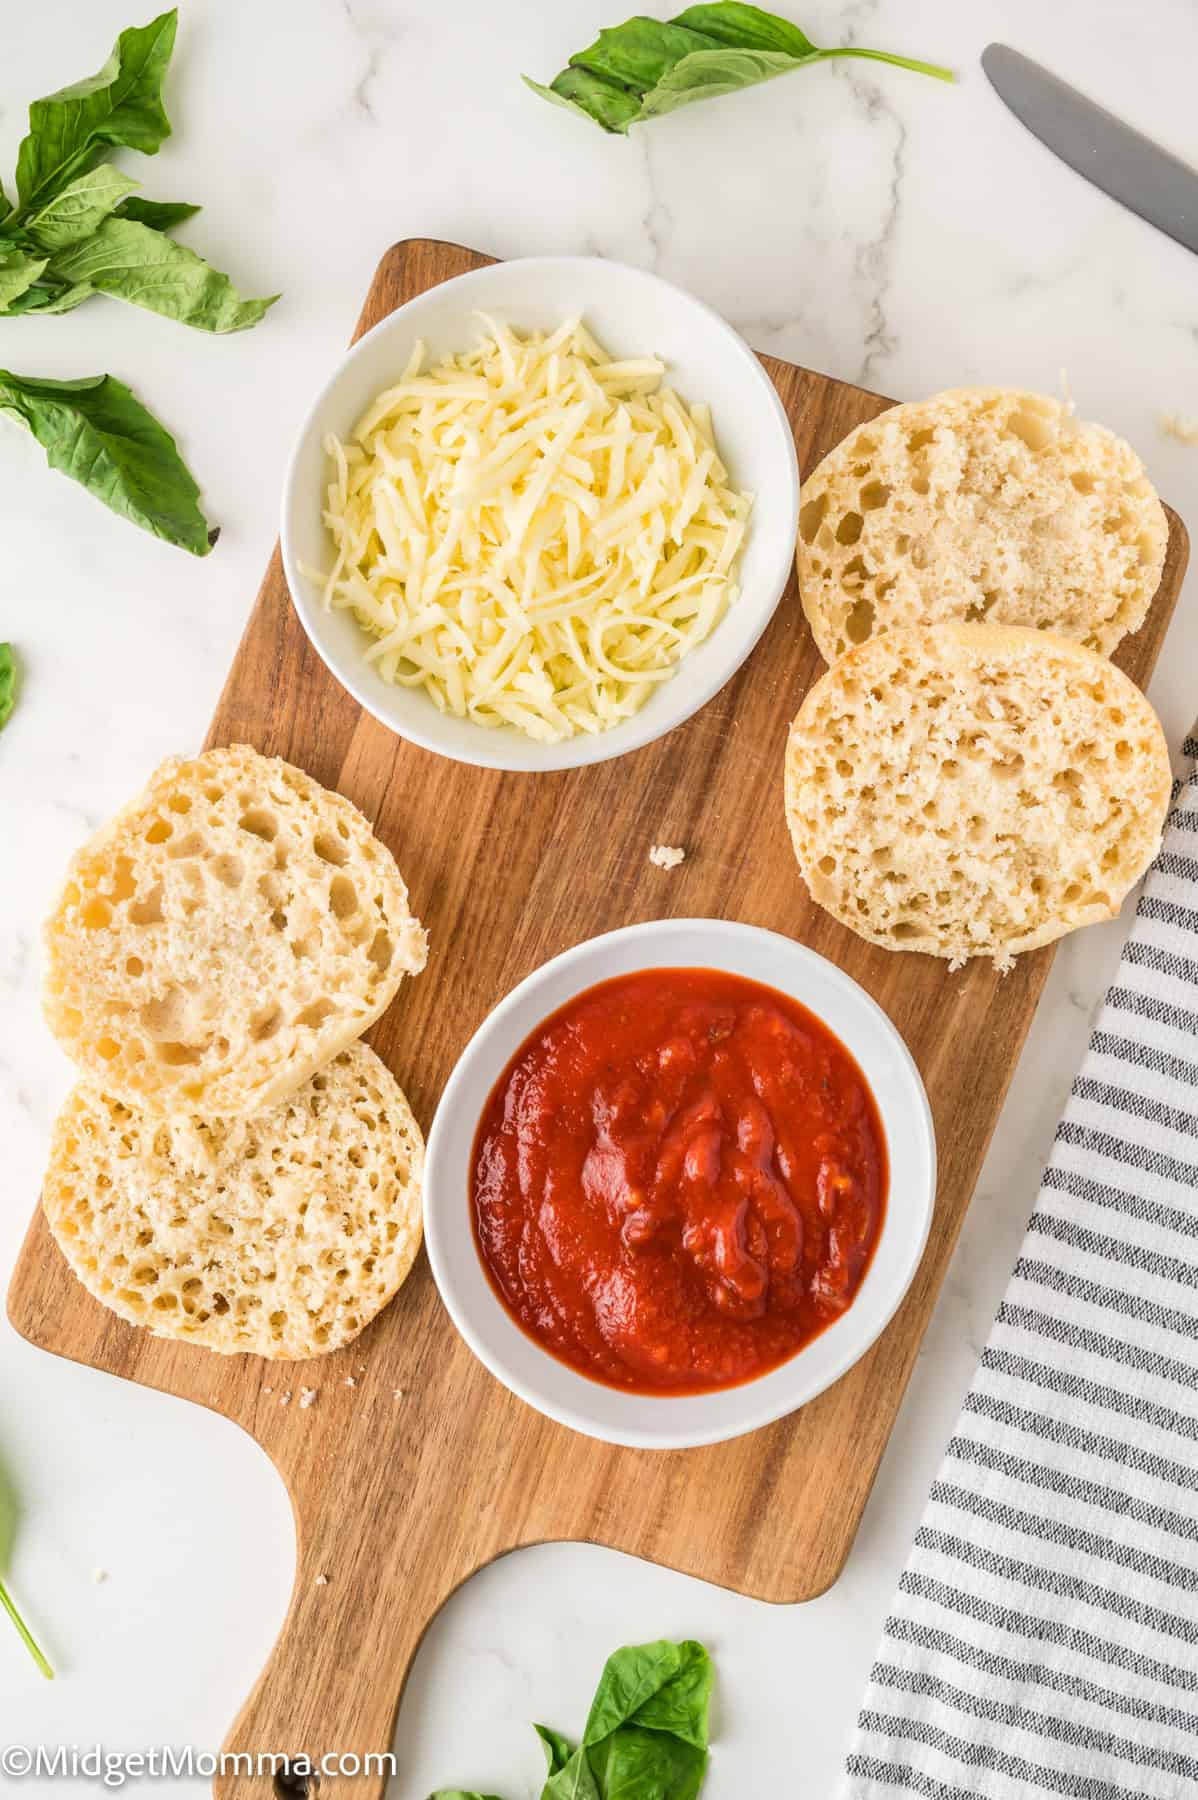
{"points": [[632, 313], [674, 1422]]}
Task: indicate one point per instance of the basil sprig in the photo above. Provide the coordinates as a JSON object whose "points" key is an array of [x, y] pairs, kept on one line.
{"points": [[646, 1732], [645, 67], [77, 229]]}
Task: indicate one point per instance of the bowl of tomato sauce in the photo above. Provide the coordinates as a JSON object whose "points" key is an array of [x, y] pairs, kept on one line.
{"points": [[678, 1182]]}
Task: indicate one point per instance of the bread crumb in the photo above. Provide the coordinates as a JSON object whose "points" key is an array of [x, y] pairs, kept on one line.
{"points": [[99, 1575], [666, 856], [286, 1399], [307, 1397], [268, 1390], [322, 1581], [351, 1381], [399, 1393], [1175, 425]]}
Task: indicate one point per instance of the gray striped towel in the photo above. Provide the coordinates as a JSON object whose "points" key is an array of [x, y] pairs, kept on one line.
{"points": [[1044, 1638]]}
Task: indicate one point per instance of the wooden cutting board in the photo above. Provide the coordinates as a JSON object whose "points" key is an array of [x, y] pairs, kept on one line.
{"points": [[414, 1467]]}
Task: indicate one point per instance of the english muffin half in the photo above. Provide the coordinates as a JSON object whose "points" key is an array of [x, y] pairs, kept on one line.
{"points": [[974, 790], [225, 935], [979, 504], [282, 1234]]}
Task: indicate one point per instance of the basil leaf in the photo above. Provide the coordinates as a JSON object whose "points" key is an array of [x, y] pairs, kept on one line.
{"points": [[643, 68], [131, 262], [746, 28], [609, 105], [8, 699], [48, 296], [5, 204], [646, 1735], [98, 432], [461, 1794], [709, 73], [573, 1781], [638, 53], [159, 215], [558, 1749], [630, 1678], [635, 1764], [78, 208], [680, 1705], [18, 272], [121, 104]]}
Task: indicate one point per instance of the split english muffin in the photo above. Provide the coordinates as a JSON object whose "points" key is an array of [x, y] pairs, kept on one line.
{"points": [[224, 935], [282, 1233], [979, 504], [974, 790]]}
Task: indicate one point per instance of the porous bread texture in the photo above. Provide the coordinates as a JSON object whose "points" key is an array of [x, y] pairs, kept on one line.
{"points": [[974, 790], [281, 1234], [980, 503], [224, 935]]}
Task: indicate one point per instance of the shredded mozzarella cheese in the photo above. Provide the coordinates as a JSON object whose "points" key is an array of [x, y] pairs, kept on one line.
{"points": [[531, 532]]}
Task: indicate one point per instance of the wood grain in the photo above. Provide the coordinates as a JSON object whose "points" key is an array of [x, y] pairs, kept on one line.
{"points": [[398, 1501]]}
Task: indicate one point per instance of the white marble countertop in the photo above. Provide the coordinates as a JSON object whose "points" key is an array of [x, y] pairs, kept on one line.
{"points": [[880, 227]]}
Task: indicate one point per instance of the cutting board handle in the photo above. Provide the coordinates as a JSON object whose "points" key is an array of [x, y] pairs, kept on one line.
{"points": [[332, 1684]]}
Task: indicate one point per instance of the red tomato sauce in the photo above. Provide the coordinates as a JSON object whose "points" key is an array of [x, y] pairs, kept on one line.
{"points": [[678, 1181]]}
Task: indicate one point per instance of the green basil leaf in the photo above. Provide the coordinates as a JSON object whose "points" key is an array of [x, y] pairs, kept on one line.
{"points": [[47, 297], [746, 28], [635, 1764], [8, 699], [680, 1705], [131, 262], [79, 208], [630, 1678], [98, 432], [638, 53], [643, 68], [558, 1749], [18, 272], [121, 104], [707, 74], [5, 204], [609, 105], [575, 1780], [461, 1794], [159, 215]]}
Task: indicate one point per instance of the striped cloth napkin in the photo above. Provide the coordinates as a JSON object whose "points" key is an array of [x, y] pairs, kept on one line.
{"points": [[1044, 1638]]}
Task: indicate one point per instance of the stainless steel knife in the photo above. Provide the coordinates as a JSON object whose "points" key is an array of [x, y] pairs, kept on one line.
{"points": [[1122, 162]]}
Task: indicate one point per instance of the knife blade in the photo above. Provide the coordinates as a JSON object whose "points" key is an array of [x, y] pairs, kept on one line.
{"points": [[1124, 163]]}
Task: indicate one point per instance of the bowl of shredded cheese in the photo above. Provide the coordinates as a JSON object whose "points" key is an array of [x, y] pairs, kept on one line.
{"points": [[541, 513]]}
